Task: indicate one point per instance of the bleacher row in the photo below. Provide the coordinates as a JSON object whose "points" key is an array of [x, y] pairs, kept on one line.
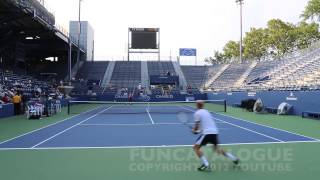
{"points": [[197, 76], [93, 71], [295, 72], [160, 68], [126, 74], [229, 77], [299, 71]]}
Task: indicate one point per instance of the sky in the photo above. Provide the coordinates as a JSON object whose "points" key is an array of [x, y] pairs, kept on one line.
{"points": [[206, 25]]}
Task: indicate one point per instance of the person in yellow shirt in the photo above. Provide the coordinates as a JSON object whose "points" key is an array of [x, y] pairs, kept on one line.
{"points": [[17, 103]]}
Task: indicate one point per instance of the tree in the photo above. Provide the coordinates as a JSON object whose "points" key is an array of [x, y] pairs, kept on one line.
{"points": [[277, 39], [312, 10], [217, 58], [306, 34], [281, 37], [231, 50], [256, 43]]}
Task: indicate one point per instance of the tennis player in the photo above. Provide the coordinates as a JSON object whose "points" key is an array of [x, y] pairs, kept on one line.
{"points": [[209, 134]]}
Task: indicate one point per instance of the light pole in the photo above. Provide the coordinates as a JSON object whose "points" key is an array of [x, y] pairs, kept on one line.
{"points": [[240, 2], [79, 32]]}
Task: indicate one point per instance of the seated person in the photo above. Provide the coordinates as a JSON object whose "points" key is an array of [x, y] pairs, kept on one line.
{"points": [[5, 99]]}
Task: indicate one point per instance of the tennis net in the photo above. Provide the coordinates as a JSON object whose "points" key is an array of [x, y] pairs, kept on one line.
{"points": [[172, 107]]}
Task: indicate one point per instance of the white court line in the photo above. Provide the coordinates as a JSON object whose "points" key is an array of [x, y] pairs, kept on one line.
{"points": [[147, 124], [250, 130], [270, 127], [315, 139], [163, 146], [70, 127], [47, 126], [152, 122], [137, 124]]}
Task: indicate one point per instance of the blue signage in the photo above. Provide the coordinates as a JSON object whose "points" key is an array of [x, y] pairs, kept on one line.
{"points": [[154, 80], [188, 52]]}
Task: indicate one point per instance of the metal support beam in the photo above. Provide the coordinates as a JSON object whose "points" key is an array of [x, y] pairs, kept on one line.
{"points": [[70, 61], [240, 2]]}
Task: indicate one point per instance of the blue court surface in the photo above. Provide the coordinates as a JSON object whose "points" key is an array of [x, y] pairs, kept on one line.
{"points": [[98, 129]]}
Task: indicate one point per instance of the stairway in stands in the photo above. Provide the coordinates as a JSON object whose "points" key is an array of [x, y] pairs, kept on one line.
{"points": [[108, 74], [216, 76], [145, 81], [182, 78], [244, 76], [74, 71]]}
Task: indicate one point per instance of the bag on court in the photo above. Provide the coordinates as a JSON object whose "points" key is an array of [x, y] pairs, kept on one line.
{"points": [[284, 109], [258, 106], [248, 104]]}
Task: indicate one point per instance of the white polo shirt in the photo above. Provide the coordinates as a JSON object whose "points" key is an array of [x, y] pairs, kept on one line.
{"points": [[207, 123]]}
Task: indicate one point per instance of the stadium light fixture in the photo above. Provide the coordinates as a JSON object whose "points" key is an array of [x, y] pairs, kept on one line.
{"points": [[240, 2], [79, 33]]}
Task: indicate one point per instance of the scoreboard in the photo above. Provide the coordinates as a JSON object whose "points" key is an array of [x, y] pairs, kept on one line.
{"points": [[144, 29], [144, 38]]}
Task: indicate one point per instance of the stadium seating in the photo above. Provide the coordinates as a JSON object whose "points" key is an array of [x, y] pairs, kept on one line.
{"points": [[126, 74], [26, 85], [296, 71], [228, 79], [197, 76], [160, 68], [260, 69], [24, 82], [93, 70]]}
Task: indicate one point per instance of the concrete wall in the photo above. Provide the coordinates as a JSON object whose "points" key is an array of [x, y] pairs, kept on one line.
{"points": [[6, 110], [149, 98]]}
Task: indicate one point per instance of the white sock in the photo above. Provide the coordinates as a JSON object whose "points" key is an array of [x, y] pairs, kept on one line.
{"points": [[204, 160], [231, 156]]}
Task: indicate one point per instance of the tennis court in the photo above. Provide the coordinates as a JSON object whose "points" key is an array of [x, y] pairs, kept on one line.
{"points": [[121, 141], [121, 125]]}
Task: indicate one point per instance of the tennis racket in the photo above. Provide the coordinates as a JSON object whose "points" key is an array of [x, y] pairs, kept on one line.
{"points": [[184, 119]]}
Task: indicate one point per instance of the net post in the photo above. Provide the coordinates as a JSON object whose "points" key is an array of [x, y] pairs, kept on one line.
{"points": [[68, 107], [225, 105]]}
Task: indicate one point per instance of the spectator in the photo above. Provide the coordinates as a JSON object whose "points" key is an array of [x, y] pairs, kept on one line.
{"points": [[168, 73], [17, 103], [5, 99]]}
